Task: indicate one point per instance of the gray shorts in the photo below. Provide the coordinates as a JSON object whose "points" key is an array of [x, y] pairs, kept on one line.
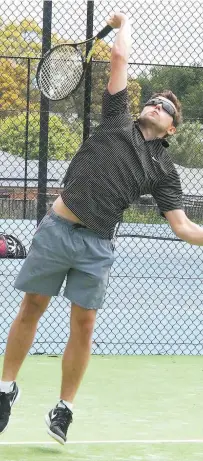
{"points": [[61, 250]]}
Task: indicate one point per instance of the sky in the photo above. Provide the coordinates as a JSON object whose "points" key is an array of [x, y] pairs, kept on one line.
{"points": [[164, 32]]}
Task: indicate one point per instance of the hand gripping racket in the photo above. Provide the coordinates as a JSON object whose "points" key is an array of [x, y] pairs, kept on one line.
{"points": [[61, 70]]}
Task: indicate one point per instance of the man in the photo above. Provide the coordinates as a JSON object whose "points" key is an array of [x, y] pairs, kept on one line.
{"points": [[121, 161]]}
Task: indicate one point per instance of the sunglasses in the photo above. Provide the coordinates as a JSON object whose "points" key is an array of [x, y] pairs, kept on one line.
{"points": [[165, 104]]}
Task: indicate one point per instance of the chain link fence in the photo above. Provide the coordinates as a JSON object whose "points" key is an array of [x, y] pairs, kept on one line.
{"points": [[153, 302]]}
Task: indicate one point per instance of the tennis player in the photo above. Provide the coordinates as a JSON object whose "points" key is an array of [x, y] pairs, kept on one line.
{"points": [[121, 161]]}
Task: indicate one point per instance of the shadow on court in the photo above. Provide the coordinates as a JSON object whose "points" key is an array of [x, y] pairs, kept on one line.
{"points": [[119, 452]]}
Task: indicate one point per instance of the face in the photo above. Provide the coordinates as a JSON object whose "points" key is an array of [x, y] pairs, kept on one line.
{"points": [[159, 117]]}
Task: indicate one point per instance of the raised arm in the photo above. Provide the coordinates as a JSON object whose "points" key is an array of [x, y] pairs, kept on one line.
{"points": [[120, 53], [184, 228]]}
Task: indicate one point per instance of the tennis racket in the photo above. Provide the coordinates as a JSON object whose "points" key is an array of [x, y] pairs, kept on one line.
{"points": [[61, 70]]}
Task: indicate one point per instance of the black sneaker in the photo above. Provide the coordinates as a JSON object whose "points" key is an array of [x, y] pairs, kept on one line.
{"points": [[58, 421], [6, 402]]}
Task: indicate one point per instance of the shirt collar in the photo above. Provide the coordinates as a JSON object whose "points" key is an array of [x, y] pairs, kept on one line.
{"points": [[163, 141]]}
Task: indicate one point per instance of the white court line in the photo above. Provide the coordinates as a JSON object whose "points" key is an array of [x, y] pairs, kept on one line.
{"points": [[90, 442]]}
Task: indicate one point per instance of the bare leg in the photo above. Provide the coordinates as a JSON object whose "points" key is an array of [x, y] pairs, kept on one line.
{"points": [[22, 333], [77, 353]]}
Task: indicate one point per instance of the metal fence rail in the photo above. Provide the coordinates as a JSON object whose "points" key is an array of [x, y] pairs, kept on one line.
{"points": [[153, 302]]}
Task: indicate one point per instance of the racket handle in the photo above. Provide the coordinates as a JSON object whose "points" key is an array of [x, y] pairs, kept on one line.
{"points": [[105, 31]]}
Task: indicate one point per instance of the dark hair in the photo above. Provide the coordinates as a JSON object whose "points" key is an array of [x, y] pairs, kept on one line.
{"points": [[173, 98]]}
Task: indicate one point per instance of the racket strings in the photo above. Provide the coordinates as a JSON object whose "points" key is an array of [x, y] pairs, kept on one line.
{"points": [[61, 72]]}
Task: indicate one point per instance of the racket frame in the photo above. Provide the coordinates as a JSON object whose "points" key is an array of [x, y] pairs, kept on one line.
{"points": [[84, 61], [47, 54]]}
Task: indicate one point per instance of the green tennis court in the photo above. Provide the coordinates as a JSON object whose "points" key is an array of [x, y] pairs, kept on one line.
{"points": [[128, 408]]}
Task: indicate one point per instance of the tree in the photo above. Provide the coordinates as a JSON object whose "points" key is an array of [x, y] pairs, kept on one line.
{"points": [[20, 39], [186, 83], [12, 82], [186, 147], [24, 39], [63, 140], [192, 102]]}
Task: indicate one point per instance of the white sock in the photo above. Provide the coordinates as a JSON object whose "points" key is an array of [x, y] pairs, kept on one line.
{"points": [[6, 386], [65, 403]]}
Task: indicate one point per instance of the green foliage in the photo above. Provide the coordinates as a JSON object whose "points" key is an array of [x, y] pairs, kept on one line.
{"points": [[176, 79], [64, 141], [186, 83], [192, 102], [133, 214], [12, 82], [23, 38], [186, 146], [20, 38]]}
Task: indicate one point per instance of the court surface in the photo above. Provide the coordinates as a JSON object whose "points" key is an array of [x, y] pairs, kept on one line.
{"points": [[128, 408]]}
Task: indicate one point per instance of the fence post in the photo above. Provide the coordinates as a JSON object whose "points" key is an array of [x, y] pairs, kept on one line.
{"points": [[26, 138], [88, 75], [44, 119]]}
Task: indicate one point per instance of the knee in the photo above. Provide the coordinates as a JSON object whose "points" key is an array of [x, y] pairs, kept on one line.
{"points": [[31, 309], [82, 327]]}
